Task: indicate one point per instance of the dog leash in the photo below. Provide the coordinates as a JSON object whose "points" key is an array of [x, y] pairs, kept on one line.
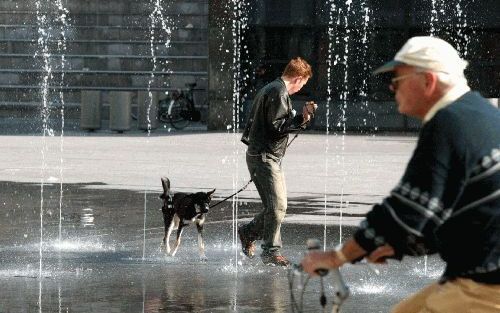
{"points": [[250, 181], [234, 194]]}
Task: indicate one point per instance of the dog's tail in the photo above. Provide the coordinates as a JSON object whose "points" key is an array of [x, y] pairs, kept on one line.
{"points": [[165, 182]]}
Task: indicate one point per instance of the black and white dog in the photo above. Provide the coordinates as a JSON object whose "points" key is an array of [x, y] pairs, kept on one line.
{"points": [[181, 208]]}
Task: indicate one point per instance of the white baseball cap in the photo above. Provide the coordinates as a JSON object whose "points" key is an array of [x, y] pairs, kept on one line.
{"points": [[429, 53]]}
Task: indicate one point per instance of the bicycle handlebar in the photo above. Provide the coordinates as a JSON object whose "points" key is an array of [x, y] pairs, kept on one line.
{"points": [[342, 291]]}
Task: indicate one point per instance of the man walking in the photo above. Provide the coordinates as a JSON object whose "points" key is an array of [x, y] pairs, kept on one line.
{"points": [[266, 134], [448, 201]]}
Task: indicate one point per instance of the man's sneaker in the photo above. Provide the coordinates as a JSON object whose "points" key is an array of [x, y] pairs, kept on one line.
{"points": [[247, 245], [275, 259]]}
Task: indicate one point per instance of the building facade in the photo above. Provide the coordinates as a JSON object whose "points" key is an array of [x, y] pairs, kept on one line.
{"points": [[250, 43]]}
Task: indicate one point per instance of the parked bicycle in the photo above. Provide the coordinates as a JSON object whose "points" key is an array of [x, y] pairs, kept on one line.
{"points": [[178, 109]]}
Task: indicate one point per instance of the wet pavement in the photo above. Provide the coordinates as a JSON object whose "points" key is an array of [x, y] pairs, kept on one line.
{"points": [[96, 245]]}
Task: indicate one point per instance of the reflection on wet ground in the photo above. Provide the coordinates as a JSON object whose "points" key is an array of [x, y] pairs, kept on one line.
{"points": [[98, 265]]}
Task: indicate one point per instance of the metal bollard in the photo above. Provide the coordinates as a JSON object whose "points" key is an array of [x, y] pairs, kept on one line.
{"points": [[120, 110], [146, 102], [90, 110]]}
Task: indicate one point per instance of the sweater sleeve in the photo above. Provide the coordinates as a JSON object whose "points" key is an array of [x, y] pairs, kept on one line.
{"points": [[422, 201]]}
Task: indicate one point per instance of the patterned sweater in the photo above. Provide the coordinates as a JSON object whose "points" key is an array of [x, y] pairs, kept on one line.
{"points": [[448, 201]]}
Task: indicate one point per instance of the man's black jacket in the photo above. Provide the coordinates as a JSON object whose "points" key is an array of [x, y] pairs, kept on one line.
{"points": [[271, 120]]}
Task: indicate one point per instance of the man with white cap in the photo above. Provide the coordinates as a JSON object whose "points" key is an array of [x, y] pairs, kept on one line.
{"points": [[448, 201]]}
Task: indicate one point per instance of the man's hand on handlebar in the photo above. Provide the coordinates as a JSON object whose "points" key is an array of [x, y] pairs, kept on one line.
{"points": [[351, 251], [318, 260], [380, 254]]}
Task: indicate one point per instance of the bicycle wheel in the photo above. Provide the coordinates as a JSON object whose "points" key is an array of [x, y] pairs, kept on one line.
{"points": [[178, 113]]}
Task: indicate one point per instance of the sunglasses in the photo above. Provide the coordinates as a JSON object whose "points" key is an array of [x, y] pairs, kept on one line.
{"points": [[395, 81]]}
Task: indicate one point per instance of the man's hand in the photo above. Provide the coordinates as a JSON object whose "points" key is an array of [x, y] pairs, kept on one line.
{"points": [[308, 110], [315, 260], [380, 254], [319, 260]]}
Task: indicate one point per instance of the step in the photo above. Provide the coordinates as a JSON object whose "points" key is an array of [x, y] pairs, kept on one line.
{"points": [[132, 33], [99, 72], [92, 19], [107, 62], [111, 7], [194, 48], [31, 90], [10, 96], [111, 79]]}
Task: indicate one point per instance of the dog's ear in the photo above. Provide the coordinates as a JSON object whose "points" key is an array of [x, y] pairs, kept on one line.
{"points": [[165, 182], [210, 193]]}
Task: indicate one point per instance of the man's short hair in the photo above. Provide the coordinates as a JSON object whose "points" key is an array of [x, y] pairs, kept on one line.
{"points": [[298, 67]]}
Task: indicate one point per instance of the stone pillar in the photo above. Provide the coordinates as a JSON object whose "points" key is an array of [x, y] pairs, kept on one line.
{"points": [[90, 109], [146, 102], [119, 110]]}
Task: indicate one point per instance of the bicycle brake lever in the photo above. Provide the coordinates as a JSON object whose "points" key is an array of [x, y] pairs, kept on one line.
{"points": [[342, 291]]}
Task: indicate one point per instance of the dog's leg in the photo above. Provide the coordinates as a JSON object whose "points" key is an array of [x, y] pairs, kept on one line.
{"points": [[201, 243], [166, 239], [168, 220], [178, 240]]}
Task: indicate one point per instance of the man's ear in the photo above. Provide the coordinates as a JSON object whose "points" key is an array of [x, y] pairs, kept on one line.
{"points": [[431, 83], [297, 80]]}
